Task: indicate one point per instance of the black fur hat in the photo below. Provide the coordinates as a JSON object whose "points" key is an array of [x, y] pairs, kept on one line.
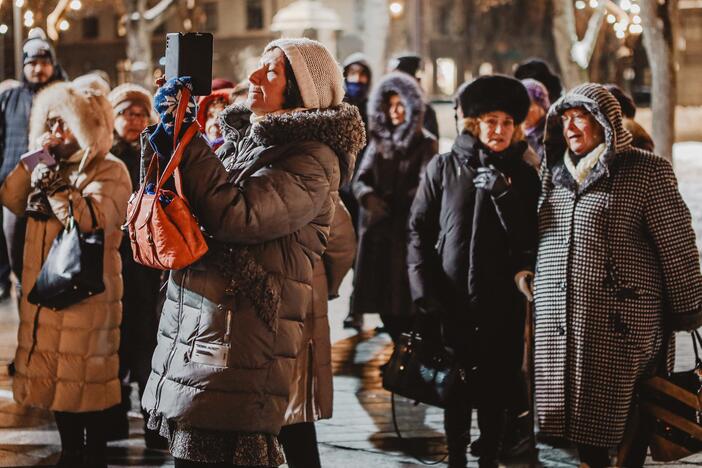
{"points": [[540, 71], [494, 93]]}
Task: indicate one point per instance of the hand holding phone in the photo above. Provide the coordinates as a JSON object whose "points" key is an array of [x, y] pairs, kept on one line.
{"points": [[30, 159]]}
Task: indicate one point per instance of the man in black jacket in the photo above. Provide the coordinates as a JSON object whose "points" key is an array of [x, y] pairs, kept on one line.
{"points": [[40, 68]]}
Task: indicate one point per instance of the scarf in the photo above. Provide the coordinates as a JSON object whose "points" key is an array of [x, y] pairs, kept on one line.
{"points": [[584, 166]]}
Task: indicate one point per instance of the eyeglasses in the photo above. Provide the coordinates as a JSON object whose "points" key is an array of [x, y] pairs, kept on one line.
{"points": [[55, 123], [133, 115], [579, 119]]}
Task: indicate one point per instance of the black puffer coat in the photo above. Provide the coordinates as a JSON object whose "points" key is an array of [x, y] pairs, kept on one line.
{"points": [[141, 288], [465, 248], [391, 168]]}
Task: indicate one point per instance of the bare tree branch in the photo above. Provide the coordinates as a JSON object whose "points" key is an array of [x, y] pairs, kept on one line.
{"points": [[154, 12], [53, 18]]}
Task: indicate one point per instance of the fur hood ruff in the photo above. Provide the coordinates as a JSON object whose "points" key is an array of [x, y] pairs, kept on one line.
{"points": [[86, 112], [340, 127], [379, 126]]}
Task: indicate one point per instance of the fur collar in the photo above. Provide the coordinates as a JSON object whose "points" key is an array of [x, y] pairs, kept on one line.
{"points": [[339, 127], [87, 113], [387, 137]]}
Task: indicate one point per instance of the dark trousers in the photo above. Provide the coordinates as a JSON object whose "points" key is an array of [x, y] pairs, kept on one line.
{"points": [[4, 260], [300, 445], [180, 463], [14, 228], [82, 432], [457, 421]]}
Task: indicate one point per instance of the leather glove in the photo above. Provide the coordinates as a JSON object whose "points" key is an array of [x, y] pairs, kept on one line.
{"points": [[491, 180], [376, 207], [524, 280], [47, 179]]}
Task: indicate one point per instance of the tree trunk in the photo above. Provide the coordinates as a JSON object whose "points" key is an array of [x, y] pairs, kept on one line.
{"points": [[564, 36], [139, 44], [661, 24]]}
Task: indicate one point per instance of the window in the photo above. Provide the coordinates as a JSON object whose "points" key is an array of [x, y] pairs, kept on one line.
{"points": [[211, 16], [254, 14], [91, 27]]}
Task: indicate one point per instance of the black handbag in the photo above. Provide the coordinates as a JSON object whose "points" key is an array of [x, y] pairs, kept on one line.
{"points": [[673, 405], [73, 269], [423, 371]]}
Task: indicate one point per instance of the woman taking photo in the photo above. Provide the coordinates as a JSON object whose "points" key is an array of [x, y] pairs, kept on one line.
{"points": [[67, 359], [231, 326], [617, 269], [397, 154], [472, 231]]}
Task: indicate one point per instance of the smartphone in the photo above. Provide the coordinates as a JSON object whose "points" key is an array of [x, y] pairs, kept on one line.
{"points": [[190, 54], [30, 159]]}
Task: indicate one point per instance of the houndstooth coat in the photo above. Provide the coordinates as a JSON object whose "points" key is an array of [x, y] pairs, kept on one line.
{"points": [[612, 251]]}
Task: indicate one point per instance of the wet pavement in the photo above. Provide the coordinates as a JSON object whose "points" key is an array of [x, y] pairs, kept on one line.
{"points": [[360, 433]]}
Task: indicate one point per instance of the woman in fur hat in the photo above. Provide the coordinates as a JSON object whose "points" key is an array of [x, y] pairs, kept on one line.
{"points": [[472, 233], [617, 270], [67, 360], [397, 154], [231, 328]]}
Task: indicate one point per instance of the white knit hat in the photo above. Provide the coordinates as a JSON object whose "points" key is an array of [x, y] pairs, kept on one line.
{"points": [[317, 73]]}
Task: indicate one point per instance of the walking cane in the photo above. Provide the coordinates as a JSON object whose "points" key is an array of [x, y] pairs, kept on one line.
{"points": [[528, 375]]}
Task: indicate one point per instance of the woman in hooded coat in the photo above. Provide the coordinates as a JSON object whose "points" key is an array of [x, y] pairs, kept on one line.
{"points": [[67, 359], [617, 267], [472, 233], [232, 323], [396, 157]]}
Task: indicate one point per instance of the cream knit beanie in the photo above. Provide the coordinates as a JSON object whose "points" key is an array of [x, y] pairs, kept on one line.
{"points": [[317, 73], [127, 94]]}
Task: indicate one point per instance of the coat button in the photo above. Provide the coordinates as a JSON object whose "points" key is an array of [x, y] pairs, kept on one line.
{"points": [[561, 331], [563, 286], [565, 240]]}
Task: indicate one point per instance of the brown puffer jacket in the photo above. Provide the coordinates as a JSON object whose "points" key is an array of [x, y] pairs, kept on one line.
{"points": [[312, 393], [231, 326], [71, 364]]}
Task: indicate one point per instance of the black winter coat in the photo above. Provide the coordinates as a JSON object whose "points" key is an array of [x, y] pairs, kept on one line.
{"points": [[465, 248], [140, 311], [15, 107]]}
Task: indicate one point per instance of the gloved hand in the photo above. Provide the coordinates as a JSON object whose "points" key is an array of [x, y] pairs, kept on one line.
{"points": [[47, 179], [491, 180], [524, 280], [166, 102], [376, 207]]}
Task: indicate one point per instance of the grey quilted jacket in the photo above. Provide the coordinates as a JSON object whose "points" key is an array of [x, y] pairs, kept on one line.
{"points": [[231, 326]]}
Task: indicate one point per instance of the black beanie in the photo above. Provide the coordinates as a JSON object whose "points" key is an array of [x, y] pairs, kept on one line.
{"points": [[625, 101], [540, 71], [494, 93], [407, 63]]}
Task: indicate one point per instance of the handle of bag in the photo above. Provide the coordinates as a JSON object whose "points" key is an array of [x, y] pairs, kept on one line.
{"points": [[410, 449], [696, 344]]}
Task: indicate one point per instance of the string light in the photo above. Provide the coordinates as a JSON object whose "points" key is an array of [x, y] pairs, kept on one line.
{"points": [[3, 28], [635, 29], [76, 5], [19, 3], [621, 34], [625, 5], [396, 9], [594, 3], [635, 9], [611, 19], [636, 20], [64, 25], [580, 5]]}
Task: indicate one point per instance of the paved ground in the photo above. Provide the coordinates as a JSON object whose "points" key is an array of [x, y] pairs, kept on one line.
{"points": [[360, 434]]}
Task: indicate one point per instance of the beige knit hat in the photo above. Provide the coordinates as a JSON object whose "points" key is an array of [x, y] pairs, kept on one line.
{"points": [[127, 94], [317, 73]]}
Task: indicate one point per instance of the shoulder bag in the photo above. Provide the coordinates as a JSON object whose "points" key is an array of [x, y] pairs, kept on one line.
{"points": [[73, 268], [163, 231]]}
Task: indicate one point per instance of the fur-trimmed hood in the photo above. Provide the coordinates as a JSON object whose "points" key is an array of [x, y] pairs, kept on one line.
{"points": [[604, 107], [340, 127], [86, 112], [379, 126]]}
